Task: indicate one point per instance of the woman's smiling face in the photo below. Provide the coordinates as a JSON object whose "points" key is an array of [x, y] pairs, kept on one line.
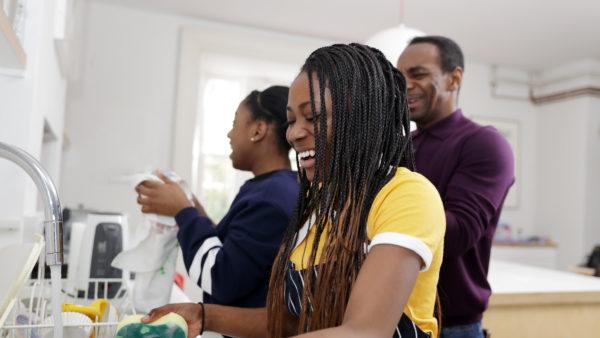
{"points": [[300, 133]]}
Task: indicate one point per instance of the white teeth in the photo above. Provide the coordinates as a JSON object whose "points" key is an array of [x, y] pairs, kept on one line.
{"points": [[305, 154]]}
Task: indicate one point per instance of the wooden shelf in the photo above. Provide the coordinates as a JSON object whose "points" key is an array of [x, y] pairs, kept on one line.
{"points": [[12, 55]]}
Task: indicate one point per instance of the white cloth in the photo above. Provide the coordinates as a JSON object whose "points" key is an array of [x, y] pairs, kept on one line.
{"points": [[153, 260]]}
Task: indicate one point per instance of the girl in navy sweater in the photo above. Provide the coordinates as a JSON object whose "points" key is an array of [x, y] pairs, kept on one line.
{"points": [[231, 260]]}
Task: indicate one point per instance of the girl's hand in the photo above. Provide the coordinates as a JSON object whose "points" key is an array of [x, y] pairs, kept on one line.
{"points": [[163, 198]]}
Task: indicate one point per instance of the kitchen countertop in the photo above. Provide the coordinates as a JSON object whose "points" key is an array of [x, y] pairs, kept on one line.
{"points": [[530, 301], [507, 277]]}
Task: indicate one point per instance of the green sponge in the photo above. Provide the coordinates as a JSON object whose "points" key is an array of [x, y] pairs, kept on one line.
{"points": [[171, 325]]}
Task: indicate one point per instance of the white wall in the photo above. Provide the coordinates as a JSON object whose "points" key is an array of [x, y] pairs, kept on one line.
{"points": [[562, 176], [26, 101], [119, 112], [568, 155], [592, 230]]}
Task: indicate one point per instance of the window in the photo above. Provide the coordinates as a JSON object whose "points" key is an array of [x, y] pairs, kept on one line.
{"points": [[217, 177]]}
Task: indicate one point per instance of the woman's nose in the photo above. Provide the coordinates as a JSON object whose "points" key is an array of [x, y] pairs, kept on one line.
{"points": [[295, 133]]}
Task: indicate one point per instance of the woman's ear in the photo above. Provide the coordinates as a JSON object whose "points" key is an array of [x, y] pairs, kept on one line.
{"points": [[259, 130]]}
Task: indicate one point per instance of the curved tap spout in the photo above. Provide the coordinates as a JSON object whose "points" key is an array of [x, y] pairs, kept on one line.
{"points": [[52, 209]]}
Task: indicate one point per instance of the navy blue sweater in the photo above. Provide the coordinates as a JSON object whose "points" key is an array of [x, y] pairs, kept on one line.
{"points": [[232, 261]]}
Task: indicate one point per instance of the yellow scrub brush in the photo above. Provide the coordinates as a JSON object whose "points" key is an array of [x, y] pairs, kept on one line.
{"points": [[96, 311]]}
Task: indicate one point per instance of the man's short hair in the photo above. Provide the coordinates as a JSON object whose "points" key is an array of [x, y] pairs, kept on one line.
{"points": [[451, 56]]}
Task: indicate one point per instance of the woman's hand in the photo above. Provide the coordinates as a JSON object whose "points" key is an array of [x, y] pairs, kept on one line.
{"points": [[191, 312], [163, 198], [227, 320]]}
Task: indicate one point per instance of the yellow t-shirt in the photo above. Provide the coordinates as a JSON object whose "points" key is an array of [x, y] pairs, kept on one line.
{"points": [[408, 212]]}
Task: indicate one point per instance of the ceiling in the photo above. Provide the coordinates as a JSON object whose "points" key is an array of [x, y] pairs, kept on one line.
{"points": [[526, 34]]}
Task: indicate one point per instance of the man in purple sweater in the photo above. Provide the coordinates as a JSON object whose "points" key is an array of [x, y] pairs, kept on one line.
{"points": [[472, 167]]}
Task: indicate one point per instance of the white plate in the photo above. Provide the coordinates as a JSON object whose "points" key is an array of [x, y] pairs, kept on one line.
{"points": [[75, 325]]}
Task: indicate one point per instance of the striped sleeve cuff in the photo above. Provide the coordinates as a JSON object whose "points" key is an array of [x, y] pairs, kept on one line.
{"points": [[409, 242], [203, 262]]}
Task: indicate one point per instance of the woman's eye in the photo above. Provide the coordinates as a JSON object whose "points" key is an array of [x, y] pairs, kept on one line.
{"points": [[312, 117]]}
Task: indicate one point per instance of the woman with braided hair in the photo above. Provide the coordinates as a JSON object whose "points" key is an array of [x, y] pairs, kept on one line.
{"points": [[361, 256]]}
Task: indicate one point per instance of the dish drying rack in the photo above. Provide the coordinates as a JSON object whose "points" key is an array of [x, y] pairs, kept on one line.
{"points": [[31, 317]]}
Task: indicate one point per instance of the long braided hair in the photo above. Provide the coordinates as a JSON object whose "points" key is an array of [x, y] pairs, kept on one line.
{"points": [[370, 138]]}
